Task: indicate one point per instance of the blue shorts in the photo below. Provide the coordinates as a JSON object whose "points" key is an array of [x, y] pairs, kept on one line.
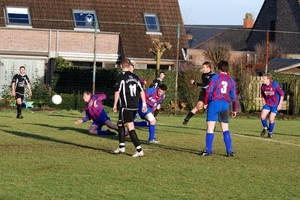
{"points": [[141, 114], [101, 120], [218, 111], [273, 109]]}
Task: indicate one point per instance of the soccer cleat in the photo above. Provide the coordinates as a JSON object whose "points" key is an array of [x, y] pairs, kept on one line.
{"points": [[230, 154], [119, 150], [138, 154], [110, 132], [20, 116], [127, 134], [263, 132], [204, 153], [270, 135], [185, 122], [153, 141]]}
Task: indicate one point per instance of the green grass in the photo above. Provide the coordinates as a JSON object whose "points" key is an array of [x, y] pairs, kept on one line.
{"points": [[46, 156]]}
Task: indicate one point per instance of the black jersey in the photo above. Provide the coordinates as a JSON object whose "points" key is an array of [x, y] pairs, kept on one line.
{"points": [[205, 80], [20, 80], [130, 87], [156, 83]]}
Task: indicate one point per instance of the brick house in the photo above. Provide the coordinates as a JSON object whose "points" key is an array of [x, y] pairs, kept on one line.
{"points": [[34, 32]]}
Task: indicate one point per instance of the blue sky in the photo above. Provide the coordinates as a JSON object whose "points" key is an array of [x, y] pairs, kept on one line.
{"points": [[218, 12]]}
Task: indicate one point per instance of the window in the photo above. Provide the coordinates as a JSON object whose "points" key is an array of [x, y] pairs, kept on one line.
{"points": [[84, 18], [18, 15], [151, 22]]}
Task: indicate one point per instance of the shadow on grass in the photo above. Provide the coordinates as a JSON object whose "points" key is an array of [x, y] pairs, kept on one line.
{"points": [[258, 134]]}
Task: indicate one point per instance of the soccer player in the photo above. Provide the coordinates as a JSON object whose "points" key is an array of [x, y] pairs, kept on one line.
{"points": [[127, 93], [154, 97], [272, 98], [94, 110], [156, 83], [206, 76], [220, 92], [19, 81]]}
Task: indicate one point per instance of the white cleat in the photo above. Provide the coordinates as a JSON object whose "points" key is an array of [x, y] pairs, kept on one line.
{"points": [[119, 150], [138, 154]]}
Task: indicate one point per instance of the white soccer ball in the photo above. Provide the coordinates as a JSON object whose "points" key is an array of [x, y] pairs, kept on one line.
{"points": [[56, 99]]}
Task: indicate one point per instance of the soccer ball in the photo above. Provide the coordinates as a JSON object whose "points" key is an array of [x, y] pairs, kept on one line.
{"points": [[56, 99]]}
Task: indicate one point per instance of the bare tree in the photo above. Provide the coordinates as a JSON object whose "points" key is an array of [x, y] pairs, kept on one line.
{"points": [[217, 51], [274, 51], [158, 51]]}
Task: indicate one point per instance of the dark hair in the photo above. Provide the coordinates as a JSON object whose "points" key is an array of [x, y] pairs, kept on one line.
{"points": [[223, 66], [127, 62], [208, 64], [162, 72], [87, 93], [163, 87], [22, 67]]}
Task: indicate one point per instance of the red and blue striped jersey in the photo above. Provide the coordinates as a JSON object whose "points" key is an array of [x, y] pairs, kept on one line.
{"points": [[92, 112], [222, 87], [153, 99], [271, 93]]}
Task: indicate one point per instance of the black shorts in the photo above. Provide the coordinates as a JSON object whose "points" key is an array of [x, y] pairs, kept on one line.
{"points": [[126, 115], [19, 96], [201, 96]]}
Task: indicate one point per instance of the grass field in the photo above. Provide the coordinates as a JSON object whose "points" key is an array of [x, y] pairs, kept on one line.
{"points": [[46, 156]]}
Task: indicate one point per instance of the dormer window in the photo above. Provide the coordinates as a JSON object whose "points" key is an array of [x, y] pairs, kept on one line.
{"points": [[84, 18], [18, 15], [151, 22]]}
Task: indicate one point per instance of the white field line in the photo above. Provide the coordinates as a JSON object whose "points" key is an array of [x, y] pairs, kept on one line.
{"points": [[246, 136]]}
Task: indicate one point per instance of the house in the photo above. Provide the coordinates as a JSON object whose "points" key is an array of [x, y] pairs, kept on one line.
{"points": [[34, 32]]}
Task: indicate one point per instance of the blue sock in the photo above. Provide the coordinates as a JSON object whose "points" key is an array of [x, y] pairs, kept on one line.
{"points": [[142, 123], [100, 132], [209, 142], [151, 132], [227, 141], [271, 127], [264, 123]]}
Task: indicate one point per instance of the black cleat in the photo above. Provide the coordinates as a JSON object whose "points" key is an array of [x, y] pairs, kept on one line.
{"points": [[20, 116], [110, 132], [204, 153], [270, 135], [185, 122], [230, 154], [263, 132]]}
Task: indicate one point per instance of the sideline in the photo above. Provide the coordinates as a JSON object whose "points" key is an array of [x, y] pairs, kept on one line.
{"points": [[246, 136]]}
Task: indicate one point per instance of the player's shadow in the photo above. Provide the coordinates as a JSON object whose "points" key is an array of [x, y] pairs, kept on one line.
{"points": [[258, 134]]}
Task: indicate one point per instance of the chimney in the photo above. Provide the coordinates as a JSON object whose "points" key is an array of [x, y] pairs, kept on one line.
{"points": [[248, 21], [189, 36]]}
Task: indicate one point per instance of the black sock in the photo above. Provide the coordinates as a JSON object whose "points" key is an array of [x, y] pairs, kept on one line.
{"points": [[156, 113], [121, 131], [134, 138], [189, 116], [19, 109]]}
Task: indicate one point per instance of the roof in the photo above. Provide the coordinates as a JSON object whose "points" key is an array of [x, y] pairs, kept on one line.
{"points": [[124, 16], [282, 64]]}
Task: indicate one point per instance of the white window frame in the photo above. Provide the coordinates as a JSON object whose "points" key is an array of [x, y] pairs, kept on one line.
{"points": [[17, 10], [92, 13], [148, 26]]}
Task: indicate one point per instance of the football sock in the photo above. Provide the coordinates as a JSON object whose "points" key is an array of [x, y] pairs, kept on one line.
{"points": [[121, 145], [142, 123], [189, 116], [227, 141], [134, 138], [151, 132], [156, 113], [139, 148], [209, 142], [19, 109], [264, 123], [271, 127], [121, 132]]}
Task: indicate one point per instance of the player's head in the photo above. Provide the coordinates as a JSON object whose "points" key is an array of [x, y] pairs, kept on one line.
{"points": [[22, 70], [266, 78], [127, 65], [162, 89], [162, 75], [223, 66], [206, 67], [86, 96]]}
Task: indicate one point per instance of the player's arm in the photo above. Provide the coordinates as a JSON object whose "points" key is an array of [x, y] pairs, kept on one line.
{"points": [[29, 89], [116, 98], [85, 119], [143, 99], [234, 100], [13, 92], [281, 93]]}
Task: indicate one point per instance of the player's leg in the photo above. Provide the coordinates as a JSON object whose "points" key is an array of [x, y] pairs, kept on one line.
{"points": [[19, 100], [152, 127], [128, 119], [157, 110], [121, 132], [264, 113], [142, 116], [272, 121], [109, 124], [198, 107]]}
